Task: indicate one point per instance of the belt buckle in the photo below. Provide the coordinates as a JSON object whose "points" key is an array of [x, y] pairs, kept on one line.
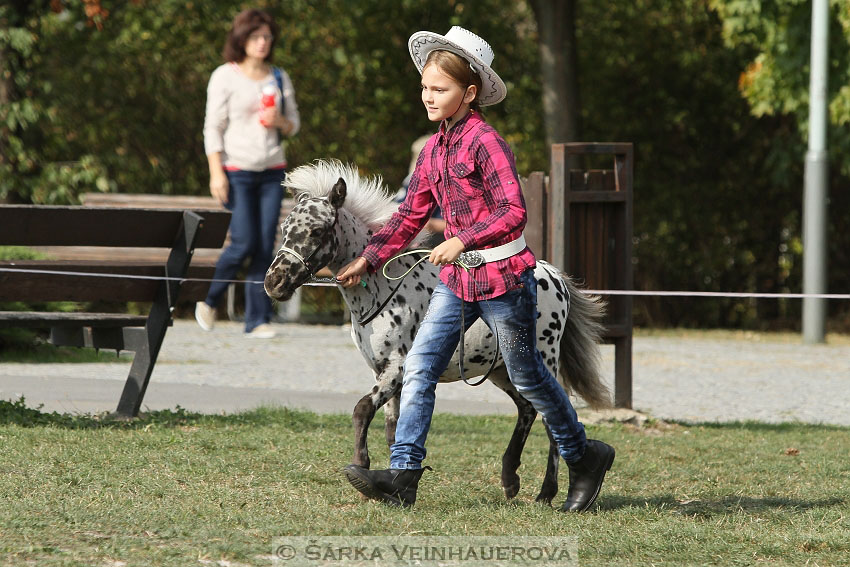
{"points": [[471, 259]]}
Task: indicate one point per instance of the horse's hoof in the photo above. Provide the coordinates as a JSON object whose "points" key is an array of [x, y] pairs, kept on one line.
{"points": [[511, 487], [361, 462], [545, 498]]}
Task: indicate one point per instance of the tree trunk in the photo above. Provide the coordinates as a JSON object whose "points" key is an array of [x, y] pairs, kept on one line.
{"points": [[559, 68]]}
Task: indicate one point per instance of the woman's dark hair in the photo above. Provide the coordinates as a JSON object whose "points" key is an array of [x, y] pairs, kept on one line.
{"points": [[244, 24], [458, 69]]}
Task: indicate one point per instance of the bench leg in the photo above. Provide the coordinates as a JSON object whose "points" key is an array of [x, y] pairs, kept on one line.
{"points": [[623, 372], [146, 343], [149, 340]]}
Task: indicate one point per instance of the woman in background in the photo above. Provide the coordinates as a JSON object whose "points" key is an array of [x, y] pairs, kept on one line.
{"points": [[242, 140]]}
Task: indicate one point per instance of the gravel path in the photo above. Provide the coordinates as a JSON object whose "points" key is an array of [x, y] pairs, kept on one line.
{"points": [[317, 367]]}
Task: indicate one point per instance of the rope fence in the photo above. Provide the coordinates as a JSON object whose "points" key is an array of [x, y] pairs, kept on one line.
{"points": [[628, 292]]}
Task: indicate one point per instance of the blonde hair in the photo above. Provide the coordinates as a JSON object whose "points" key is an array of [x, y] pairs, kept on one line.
{"points": [[457, 69]]}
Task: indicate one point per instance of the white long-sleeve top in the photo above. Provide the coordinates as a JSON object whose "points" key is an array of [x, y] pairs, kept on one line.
{"points": [[232, 122]]}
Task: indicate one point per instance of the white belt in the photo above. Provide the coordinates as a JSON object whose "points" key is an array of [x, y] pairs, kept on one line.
{"points": [[474, 258]]}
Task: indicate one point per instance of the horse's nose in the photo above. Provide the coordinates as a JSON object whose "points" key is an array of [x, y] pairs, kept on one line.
{"points": [[273, 281]]}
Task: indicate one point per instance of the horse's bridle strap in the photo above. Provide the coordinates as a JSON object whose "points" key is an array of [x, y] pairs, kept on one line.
{"points": [[303, 261], [298, 256]]}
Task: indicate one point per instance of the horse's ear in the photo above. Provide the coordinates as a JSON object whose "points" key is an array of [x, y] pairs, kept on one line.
{"points": [[337, 195]]}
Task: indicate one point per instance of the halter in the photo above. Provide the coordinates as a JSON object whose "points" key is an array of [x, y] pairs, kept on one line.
{"points": [[305, 261]]}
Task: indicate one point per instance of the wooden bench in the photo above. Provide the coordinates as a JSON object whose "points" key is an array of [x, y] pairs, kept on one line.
{"points": [[181, 202], [581, 220], [125, 235], [290, 308]]}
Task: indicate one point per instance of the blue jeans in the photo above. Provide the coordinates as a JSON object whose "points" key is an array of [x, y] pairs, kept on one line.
{"points": [[514, 314], [254, 199]]}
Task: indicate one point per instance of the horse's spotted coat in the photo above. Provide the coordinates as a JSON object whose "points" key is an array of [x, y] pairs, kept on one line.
{"points": [[336, 214]]}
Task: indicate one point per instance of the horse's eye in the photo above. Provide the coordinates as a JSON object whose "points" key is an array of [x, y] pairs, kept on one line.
{"points": [[302, 197]]}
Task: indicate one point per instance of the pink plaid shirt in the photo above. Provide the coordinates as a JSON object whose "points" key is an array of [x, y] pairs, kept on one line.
{"points": [[470, 173]]}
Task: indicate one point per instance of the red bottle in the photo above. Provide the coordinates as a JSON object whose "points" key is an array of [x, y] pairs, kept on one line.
{"points": [[267, 101]]}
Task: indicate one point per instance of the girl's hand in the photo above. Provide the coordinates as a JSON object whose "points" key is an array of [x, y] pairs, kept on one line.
{"points": [[349, 275], [219, 187], [447, 252]]}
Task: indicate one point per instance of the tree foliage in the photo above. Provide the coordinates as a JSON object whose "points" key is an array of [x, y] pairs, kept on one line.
{"points": [[776, 79], [775, 36], [30, 162], [657, 73], [123, 98], [109, 95]]}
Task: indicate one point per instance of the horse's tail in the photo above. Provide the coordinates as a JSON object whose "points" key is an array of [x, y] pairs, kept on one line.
{"points": [[580, 355]]}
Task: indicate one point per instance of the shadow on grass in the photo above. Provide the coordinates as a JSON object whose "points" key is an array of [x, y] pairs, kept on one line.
{"points": [[17, 413], [718, 507], [762, 426]]}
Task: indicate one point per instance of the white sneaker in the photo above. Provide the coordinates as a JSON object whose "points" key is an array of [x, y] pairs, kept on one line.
{"points": [[264, 331], [205, 315]]}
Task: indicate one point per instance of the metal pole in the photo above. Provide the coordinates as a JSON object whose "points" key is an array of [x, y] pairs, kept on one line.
{"points": [[816, 180]]}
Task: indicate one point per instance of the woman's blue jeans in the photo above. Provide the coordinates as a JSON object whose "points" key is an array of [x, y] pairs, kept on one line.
{"points": [[254, 199], [514, 314]]}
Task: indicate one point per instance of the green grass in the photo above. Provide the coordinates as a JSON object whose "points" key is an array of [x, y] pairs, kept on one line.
{"points": [[175, 488]]}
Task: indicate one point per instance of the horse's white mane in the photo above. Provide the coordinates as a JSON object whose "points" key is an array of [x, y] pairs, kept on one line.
{"points": [[366, 198]]}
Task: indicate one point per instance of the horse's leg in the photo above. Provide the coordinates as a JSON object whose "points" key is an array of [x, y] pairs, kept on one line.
{"points": [[364, 412], [549, 489], [526, 415], [391, 417]]}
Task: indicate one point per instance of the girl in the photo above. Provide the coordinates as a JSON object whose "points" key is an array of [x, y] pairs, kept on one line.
{"points": [[468, 170], [247, 165]]}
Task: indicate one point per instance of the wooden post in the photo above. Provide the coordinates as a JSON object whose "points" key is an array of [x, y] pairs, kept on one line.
{"points": [[536, 202], [591, 238], [557, 207]]}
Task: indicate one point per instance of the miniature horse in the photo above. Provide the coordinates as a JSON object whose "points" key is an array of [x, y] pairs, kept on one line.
{"points": [[336, 213]]}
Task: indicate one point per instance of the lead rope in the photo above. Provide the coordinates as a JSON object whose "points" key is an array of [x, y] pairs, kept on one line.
{"points": [[463, 329], [366, 319], [425, 253]]}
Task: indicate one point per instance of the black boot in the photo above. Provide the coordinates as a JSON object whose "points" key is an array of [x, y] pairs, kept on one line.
{"points": [[586, 476], [393, 486]]}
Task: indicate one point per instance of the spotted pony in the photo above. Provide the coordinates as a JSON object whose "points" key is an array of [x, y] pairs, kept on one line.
{"points": [[336, 212]]}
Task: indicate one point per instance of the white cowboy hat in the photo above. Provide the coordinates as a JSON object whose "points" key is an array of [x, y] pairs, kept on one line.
{"points": [[469, 46]]}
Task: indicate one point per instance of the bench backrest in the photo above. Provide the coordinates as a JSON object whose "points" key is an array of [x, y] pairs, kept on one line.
{"points": [[182, 202], [36, 225], [119, 228]]}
